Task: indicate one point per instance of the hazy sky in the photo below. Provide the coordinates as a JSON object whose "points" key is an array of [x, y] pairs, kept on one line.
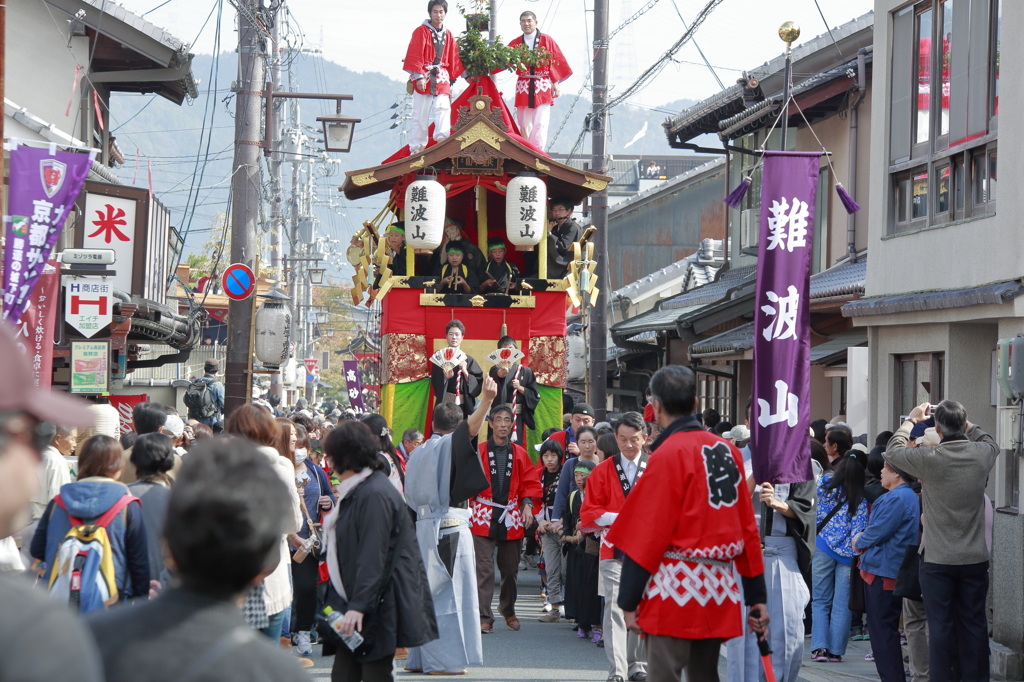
{"points": [[372, 36]]}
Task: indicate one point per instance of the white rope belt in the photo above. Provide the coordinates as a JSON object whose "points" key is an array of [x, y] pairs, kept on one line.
{"points": [[506, 514]]}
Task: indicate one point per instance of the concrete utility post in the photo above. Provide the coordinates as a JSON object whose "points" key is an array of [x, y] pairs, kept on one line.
{"points": [[245, 200], [276, 213], [599, 215]]}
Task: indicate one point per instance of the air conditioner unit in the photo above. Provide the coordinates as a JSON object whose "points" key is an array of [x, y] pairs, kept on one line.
{"points": [[750, 226]]}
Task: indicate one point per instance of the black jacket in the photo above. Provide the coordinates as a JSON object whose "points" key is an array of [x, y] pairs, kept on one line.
{"points": [[374, 524]]}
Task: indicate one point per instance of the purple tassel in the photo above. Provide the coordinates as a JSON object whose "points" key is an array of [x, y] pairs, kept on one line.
{"points": [[849, 204], [736, 196]]}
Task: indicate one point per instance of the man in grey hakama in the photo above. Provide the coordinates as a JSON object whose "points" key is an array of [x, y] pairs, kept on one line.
{"points": [[439, 481]]}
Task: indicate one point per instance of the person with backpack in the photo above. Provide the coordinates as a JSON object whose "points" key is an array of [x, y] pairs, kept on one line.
{"points": [[92, 537], [153, 457], [204, 397]]}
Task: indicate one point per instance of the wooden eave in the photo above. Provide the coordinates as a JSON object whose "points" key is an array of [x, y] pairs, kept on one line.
{"points": [[484, 134]]}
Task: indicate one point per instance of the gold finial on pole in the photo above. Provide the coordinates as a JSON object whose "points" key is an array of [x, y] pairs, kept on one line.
{"points": [[789, 32]]}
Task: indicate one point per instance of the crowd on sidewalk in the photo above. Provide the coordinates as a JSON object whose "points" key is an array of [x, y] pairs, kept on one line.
{"points": [[192, 542]]}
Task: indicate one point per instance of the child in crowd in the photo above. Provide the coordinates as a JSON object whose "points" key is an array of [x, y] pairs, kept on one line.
{"points": [[456, 277], [582, 601], [551, 545]]}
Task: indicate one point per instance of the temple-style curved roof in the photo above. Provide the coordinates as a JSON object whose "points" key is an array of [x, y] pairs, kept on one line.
{"points": [[480, 144]]}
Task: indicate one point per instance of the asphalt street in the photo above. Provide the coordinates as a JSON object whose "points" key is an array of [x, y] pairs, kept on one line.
{"points": [[552, 651]]}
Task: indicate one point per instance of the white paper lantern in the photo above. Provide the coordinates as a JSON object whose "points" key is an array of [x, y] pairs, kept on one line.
{"points": [[526, 207], [576, 367], [424, 212], [273, 328], [288, 372]]}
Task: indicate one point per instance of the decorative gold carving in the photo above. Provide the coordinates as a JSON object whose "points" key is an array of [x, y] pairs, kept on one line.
{"points": [[477, 301], [548, 360], [362, 179], [503, 188], [480, 131], [433, 300], [480, 153], [430, 283], [463, 165], [523, 302], [542, 166], [595, 184], [479, 106], [418, 163], [400, 282]]}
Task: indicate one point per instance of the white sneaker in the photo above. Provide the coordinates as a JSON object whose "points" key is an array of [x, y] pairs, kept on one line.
{"points": [[302, 645]]}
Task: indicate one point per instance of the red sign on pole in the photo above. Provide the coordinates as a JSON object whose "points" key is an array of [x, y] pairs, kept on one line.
{"points": [[312, 365]]}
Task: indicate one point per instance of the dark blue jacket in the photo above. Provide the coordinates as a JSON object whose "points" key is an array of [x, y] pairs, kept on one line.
{"points": [[87, 500], [895, 517], [318, 485]]}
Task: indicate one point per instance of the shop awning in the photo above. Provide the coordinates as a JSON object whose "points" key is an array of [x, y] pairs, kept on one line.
{"points": [[936, 299]]}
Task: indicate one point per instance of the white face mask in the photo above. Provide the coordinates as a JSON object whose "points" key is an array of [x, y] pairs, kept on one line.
{"points": [[300, 455]]}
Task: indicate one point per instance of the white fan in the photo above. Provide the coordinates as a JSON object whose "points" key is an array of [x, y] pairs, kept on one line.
{"points": [[504, 358], [448, 358]]}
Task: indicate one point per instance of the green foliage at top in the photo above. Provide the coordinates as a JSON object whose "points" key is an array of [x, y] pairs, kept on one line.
{"points": [[481, 59]]}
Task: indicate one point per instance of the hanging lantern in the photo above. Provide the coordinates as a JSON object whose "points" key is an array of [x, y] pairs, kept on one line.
{"points": [[273, 327], [526, 202], [576, 366], [289, 372], [424, 212]]}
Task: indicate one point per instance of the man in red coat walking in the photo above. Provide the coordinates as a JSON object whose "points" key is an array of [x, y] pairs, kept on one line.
{"points": [[432, 62], [678, 583], [607, 490], [500, 515], [538, 86]]}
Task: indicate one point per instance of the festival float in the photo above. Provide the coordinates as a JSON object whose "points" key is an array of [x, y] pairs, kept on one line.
{"points": [[495, 184]]}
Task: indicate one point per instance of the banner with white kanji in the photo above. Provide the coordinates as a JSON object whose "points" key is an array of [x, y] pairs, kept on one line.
{"points": [[43, 186], [780, 409], [354, 386]]}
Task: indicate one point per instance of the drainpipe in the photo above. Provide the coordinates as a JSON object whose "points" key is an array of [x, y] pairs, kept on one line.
{"points": [[851, 182]]}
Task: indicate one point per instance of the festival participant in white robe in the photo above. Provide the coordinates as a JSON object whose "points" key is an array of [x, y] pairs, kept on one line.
{"points": [[680, 571], [517, 386], [432, 62], [538, 86], [607, 489], [439, 480]]}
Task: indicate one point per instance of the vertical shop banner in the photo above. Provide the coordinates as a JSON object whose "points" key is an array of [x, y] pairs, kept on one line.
{"points": [[780, 447], [34, 331], [125, 405], [43, 186], [354, 386]]}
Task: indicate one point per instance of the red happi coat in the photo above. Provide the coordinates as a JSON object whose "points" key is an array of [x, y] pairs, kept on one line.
{"points": [[419, 59], [525, 483], [604, 494], [544, 76], [688, 522]]}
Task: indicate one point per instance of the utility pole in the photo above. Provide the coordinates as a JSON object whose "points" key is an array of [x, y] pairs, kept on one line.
{"points": [[492, 24], [599, 214], [274, 135], [245, 200]]}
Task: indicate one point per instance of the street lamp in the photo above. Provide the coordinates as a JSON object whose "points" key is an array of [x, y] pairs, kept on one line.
{"points": [[338, 131], [316, 275], [329, 332]]}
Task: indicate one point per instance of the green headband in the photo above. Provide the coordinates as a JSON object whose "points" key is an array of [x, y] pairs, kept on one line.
{"points": [[495, 244], [583, 470], [454, 249], [395, 228]]}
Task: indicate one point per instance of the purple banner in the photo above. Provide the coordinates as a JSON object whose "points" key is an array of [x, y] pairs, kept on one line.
{"points": [[43, 187], [781, 411], [354, 385]]}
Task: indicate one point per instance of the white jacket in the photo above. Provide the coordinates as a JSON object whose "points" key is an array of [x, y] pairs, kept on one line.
{"points": [[278, 585]]}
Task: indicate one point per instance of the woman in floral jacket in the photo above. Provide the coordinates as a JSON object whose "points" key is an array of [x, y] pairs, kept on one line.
{"points": [[842, 513]]}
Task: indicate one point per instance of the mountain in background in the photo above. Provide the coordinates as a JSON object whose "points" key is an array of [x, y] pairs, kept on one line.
{"points": [[167, 139]]}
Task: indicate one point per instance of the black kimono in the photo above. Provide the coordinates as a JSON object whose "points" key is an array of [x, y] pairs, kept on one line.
{"points": [[473, 257], [453, 287], [374, 528], [397, 266], [525, 403], [582, 602], [505, 276], [467, 388]]}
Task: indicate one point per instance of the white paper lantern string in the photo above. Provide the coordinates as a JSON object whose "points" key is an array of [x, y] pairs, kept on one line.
{"points": [[526, 202], [425, 201]]}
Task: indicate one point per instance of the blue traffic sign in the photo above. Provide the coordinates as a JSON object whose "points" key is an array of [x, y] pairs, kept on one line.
{"points": [[238, 282]]}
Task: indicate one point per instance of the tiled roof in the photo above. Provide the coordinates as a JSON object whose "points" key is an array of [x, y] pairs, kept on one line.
{"points": [[669, 184], [708, 257], [835, 347], [844, 279], [986, 294], [731, 342]]}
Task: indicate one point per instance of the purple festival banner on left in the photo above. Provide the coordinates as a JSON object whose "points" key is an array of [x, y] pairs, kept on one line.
{"points": [[781, 410], [43, 187], [354, 386]]}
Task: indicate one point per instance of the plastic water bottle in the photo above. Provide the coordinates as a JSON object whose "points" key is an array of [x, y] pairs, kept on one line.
{"points": [[334, 620]]}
